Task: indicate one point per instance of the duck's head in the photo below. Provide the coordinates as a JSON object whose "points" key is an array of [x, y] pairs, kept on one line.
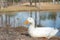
{"points": [[29, 21]]}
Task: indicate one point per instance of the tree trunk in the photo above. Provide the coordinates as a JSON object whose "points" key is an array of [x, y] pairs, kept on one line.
{"points": [[30, 2], [2, 4], [35, 3], [53, 1], [39, 3], [58, 1]]}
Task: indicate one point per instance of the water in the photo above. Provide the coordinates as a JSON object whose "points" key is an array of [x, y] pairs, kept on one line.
{"points": [[42, 18], [49, 19]]}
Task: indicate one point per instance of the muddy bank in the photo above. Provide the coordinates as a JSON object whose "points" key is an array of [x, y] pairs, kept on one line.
{"points": [[19, 33]]}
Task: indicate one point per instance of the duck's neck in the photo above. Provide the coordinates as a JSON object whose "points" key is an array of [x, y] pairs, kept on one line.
{"points": [[32, 25]]}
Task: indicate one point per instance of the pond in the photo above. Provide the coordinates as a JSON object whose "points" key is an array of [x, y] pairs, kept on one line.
{"points": [[42, 19]]}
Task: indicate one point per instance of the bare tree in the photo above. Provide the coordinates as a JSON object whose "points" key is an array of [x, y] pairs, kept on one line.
{"points": [[53, 1], [12, 15], [35, 2], [2, 4], [39, 3], [13, 2], [30, 2]]}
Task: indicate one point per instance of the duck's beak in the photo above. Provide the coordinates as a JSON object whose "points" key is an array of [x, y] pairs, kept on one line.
{"points": [[26, 22]]}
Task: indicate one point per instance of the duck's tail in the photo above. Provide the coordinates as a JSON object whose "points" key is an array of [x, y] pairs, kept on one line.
{"points": [[53, 33]]}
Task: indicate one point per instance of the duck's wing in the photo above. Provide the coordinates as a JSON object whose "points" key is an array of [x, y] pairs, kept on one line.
{"points": [[43, 30]]}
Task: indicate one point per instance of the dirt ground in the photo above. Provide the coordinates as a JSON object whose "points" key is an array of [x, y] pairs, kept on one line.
{"points": [[19, 33]]}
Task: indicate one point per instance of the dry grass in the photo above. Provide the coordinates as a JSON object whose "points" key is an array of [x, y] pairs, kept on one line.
{"points": [[42, 7], [18, 8]]}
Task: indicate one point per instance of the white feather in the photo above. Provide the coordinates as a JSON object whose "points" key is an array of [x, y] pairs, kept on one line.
{"points": [[41, 31]]}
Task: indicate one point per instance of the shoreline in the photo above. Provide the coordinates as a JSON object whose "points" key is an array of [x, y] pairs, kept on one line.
{"points": [[26, 7]]}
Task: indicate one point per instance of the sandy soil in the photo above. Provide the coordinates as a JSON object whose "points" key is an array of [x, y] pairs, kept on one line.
{"points": [[19, 33]]}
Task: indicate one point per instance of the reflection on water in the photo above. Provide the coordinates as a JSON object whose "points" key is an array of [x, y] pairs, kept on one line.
{"points": [[42, 18]]}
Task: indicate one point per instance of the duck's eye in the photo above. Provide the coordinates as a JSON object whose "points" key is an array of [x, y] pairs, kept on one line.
{"points": [[30, 23]]}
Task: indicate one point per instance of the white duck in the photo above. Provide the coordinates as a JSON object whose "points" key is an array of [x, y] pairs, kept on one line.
{"points": [[33, 31]]}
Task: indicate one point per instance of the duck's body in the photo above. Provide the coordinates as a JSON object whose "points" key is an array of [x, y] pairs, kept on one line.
{"points": [[40, 31]]}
